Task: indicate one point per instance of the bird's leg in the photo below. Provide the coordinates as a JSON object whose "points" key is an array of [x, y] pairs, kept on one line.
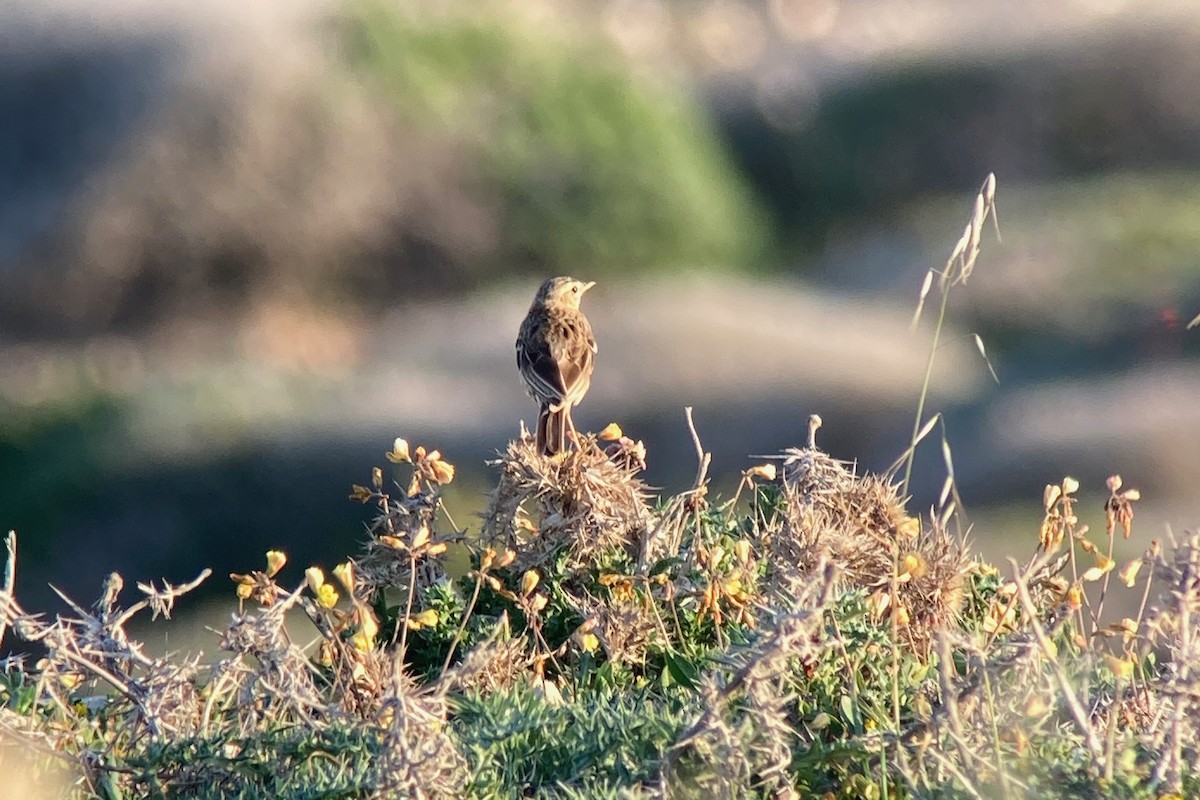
{"points": [[562, 418], [541, 441], [571, 427]]}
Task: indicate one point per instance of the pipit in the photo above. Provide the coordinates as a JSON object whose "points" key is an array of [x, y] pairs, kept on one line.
{"points": [[555, 354]]}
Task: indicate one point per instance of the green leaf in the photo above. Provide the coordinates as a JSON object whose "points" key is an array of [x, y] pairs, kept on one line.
{"points": [[679, 670], [664, 564]]}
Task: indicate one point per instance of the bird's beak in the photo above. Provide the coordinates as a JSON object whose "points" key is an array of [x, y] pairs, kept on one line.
{"points": [[587, 286]]}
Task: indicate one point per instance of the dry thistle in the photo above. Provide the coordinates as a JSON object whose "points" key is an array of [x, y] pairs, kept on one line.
{"points": [[860, 524], [584, 501]]}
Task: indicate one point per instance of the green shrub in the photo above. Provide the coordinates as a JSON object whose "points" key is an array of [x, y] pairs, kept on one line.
{"points": [[588, 167]]}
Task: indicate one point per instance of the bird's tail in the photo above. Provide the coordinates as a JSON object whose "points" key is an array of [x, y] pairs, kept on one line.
{"points": [[552, 430]]}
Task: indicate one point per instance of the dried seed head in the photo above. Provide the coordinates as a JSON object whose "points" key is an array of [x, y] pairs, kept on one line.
{"points": [[399, 453]]}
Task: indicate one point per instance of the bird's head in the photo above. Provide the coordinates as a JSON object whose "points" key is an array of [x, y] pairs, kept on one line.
{"points": [[562, 291]]}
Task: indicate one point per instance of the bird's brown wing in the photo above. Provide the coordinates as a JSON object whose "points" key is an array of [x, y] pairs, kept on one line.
{"points": [[537, 363], [574, 355]]}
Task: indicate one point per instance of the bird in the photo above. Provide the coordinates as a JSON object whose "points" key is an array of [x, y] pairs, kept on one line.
{"points": [[555, 356]]}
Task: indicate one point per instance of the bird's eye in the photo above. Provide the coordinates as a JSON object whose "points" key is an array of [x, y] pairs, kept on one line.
{"points": [[575, 289]]}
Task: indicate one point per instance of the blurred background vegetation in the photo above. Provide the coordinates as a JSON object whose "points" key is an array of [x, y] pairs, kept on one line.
{"points": [[243, 246]]}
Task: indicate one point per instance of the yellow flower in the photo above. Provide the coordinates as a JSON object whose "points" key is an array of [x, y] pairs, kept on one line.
{"points": [[741, 549], [327, 596], [589, 642], [611, 433], [443, 471], [244, 590], [764, 471], [1104, 564], [529, 582], [1122, 668], [275, 561], [344, 572], [1036, 706], [315, 578], [428, 618], [1128, 574], [368, 629], [912, 566], [420, 537], [486, 559]]}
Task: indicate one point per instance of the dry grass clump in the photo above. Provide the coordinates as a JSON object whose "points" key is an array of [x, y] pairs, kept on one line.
{"points": [[584, 501], [745, 737], [914, 573], [158, 696], [418, 757], [1168, 705], [624, 625], [266, 675], [495, 665], [582, 515]]}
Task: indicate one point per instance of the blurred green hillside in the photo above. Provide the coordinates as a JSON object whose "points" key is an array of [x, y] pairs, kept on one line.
{"points": [[585, 165]]}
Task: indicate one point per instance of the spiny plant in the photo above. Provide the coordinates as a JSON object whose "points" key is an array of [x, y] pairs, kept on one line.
{"points": [[807, 636]]}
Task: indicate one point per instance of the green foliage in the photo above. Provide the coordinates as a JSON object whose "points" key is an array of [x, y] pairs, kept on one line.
{"points": [[593, 169], [606, 740]]}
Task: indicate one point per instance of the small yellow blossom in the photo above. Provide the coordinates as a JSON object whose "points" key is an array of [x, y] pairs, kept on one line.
{"points": [[443, 471], [344, 572], [1128, 574], [315, 578], [327, 596], [611, 433], [1036, 706], [764, 471], [275, 561], [420, 537]]}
